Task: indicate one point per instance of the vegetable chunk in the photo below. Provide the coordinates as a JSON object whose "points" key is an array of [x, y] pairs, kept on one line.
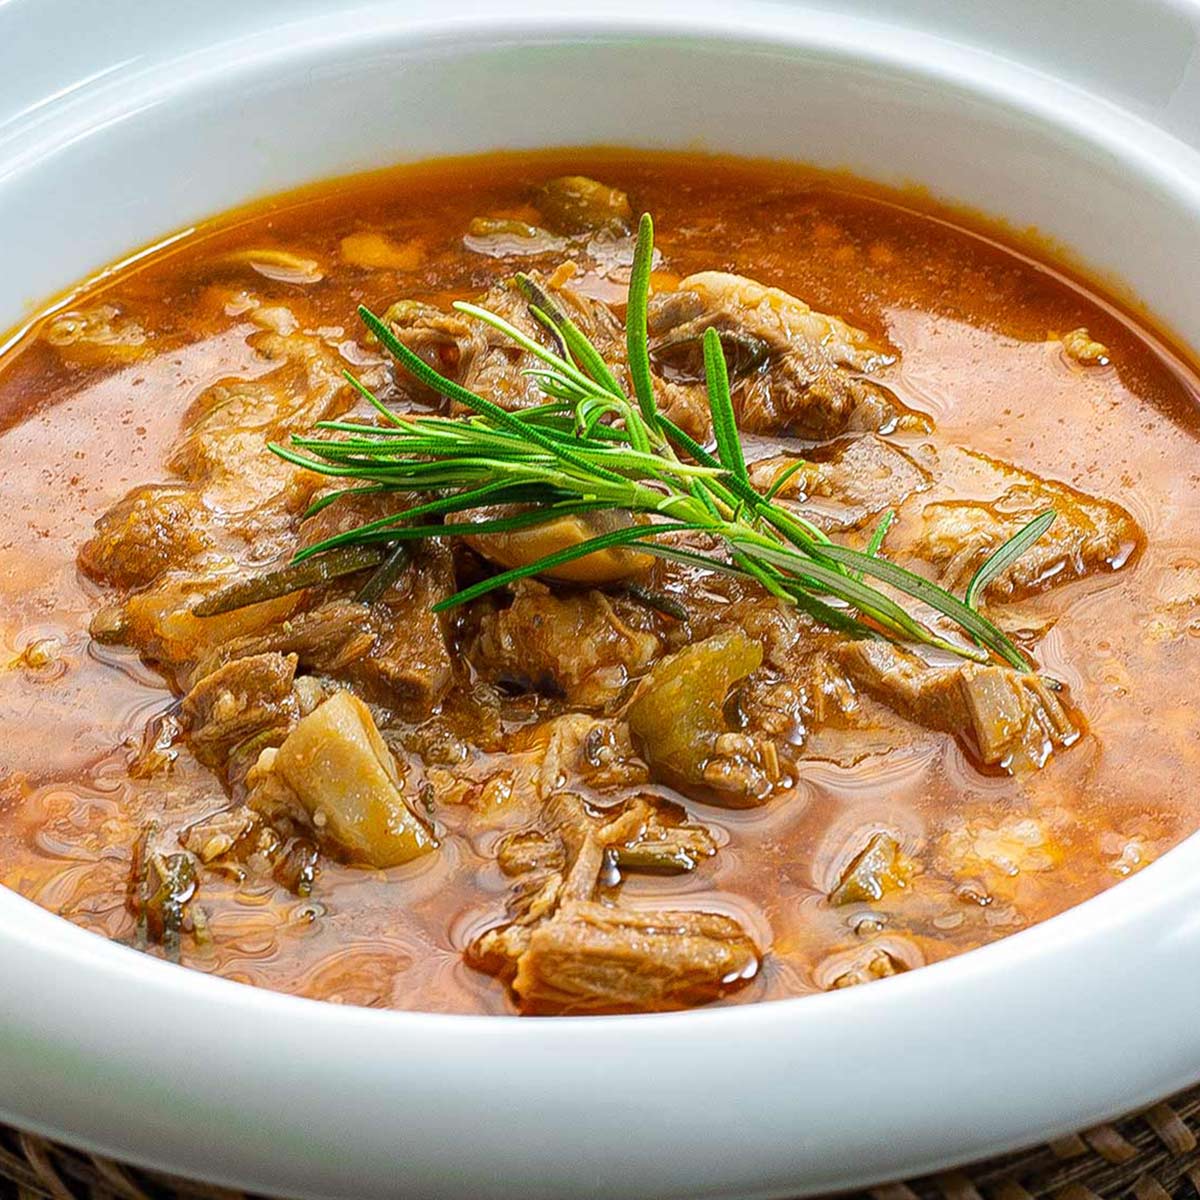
{"points": [[577, 204], [678, 721], [338, 765], [877, 869]]}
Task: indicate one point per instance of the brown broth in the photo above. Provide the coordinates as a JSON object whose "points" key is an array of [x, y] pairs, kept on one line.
{"points": [[973, 319]]}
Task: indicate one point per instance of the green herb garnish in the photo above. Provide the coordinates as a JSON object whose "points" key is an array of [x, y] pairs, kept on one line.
{"points": [[591, 447], [1006, 554]]}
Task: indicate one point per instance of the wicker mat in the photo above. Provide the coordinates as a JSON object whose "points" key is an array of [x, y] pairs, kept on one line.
{"points": [[1148, 1155]]}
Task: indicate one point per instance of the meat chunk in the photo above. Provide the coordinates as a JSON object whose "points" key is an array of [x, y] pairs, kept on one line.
{"points": [[497, 372], [561, 951], [159, 623], [647, 833], [151, 530], [485, 360], [851, 484], [576, 645], [224, 448], [396, 651], [1087, 536], [594, 958], [238, 701], [446, 341], [1009, 718], [810, 377], [410, 667]]}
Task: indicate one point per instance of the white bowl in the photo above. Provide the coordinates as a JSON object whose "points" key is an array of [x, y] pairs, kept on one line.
{"points": [[122, 122]]}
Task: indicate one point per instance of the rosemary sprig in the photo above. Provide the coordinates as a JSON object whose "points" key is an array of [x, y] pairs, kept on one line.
{"points": [[592, 447]]}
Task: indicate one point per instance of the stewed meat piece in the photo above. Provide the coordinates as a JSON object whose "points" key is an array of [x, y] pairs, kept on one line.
{"points": [[576, 645], [850, 484], [1088, 535], [153, 529], [482, 359], [806, 373], [1010, 718], [237, 701], [563, 951], [593, 957]]}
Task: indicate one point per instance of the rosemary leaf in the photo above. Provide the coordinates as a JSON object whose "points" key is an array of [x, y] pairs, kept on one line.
{"points": [[928, 592], [1006, 554], [384, 575], [720, 403], [637, 338], [782, 478], [292, 578], [592, 448]]}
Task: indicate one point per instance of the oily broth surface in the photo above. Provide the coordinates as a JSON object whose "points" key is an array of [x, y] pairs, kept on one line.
{"points": [[973, 323]]}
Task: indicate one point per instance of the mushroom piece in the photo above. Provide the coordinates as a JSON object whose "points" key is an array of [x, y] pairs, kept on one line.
{"points": [[521, 547], [576, 204]]}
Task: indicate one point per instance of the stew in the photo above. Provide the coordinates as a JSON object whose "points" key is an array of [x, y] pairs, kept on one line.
{"points": [[251, 724]]}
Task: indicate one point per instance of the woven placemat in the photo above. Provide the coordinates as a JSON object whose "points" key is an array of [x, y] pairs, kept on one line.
{"points": [[1149, 1155]]}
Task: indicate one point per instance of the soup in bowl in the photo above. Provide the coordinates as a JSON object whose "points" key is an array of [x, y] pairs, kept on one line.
{"points": [[786, 586]]}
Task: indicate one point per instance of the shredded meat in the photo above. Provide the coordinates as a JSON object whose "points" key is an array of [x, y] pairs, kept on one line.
{"points": [[575, 645], [562, 951], [1010, 718], [1088, 535], [810, 377], [327, 638]]}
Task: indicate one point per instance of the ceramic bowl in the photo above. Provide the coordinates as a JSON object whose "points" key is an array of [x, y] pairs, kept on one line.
{"points": [[122, 123]]}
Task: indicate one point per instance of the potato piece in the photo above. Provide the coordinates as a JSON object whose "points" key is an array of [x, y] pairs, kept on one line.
{"points": [[338, 765]]}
